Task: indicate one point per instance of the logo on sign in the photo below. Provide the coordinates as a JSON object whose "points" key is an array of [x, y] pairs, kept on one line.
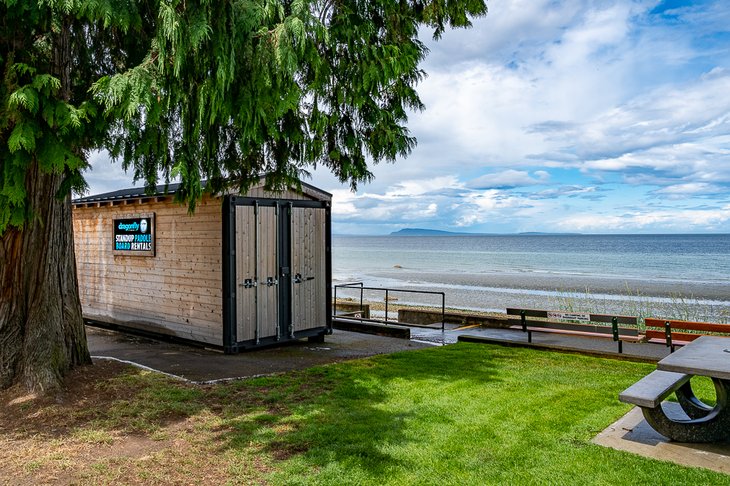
{"points": [[134, 226]]}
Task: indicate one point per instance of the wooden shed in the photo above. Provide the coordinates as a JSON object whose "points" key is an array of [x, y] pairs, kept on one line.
{"points": [[243, 271]]}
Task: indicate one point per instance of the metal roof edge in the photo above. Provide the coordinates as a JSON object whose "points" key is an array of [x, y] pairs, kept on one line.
{"points": [[171, 189]]}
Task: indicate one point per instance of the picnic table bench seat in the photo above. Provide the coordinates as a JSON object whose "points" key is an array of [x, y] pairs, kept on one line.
{"points": [[650, 391]]}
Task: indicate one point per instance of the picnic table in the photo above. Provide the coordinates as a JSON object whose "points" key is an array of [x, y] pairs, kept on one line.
{"points": [[706, 356]]}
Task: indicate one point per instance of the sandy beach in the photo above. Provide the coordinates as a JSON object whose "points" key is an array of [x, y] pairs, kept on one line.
{"points": [[495, 292], [684, 277], [552, 282]]}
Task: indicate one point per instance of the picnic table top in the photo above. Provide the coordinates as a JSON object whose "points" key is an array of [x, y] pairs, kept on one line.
{"points": [[705, 356]]}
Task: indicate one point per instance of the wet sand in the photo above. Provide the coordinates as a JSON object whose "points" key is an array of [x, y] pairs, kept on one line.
{"points": [[494, 292], [565, 283]]}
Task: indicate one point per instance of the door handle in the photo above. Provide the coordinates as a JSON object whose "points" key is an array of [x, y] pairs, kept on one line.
{"points": [[299, 279]]}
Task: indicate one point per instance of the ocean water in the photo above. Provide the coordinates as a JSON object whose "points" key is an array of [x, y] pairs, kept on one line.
{"points": [[680, 276]]}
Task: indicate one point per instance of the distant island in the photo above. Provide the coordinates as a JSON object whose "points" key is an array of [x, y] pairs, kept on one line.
{"points": [[431, 232]]}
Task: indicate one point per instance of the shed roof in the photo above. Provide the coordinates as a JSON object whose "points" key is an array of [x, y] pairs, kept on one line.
{"points": [[171, 189], [132, 192]]}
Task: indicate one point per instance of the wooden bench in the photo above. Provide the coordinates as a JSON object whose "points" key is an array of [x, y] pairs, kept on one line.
{"points": [[575, 323], [651, 390], [664, 331]]}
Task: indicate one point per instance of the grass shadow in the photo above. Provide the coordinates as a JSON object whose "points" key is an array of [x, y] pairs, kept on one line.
{"points": [[354, 415]]}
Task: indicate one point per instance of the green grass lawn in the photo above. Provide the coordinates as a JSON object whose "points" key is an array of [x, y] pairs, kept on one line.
{"points": [[461, 414], [470, 414]]}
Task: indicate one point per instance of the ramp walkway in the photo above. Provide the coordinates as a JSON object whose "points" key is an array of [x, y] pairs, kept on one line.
{"points": [[549, 341]]}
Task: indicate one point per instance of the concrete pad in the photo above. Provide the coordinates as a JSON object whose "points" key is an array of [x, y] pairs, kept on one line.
{"points": [[366, 327], [632, 434], [203, 365]]}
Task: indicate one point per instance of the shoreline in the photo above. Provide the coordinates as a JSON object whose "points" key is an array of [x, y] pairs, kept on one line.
{"points": [[493, 293], [540, 283]]}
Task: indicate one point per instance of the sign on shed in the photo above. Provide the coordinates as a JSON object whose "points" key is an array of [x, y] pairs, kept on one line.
{"points": [[134, 235]]}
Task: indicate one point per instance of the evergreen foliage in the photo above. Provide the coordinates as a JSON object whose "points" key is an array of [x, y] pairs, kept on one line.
{"points": [[205, 89]]}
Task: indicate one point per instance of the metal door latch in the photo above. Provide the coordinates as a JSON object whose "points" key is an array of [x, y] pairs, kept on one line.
{"points": [[271, 281], [299, 279], [249, 283]]}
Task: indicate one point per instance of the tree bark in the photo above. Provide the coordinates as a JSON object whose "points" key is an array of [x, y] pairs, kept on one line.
{"points": [[42, 333]]}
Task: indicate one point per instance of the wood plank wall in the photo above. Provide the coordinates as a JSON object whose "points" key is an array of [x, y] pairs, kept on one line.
{"points": [[245, 269], [176, 292], [309, 299], [268, 299], [256, 306]]}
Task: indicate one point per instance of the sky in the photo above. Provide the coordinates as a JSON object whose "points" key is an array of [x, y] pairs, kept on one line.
{"points": [[588, 116]]}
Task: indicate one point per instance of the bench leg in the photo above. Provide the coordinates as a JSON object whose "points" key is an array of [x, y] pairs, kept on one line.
{"points": [[713, 426], [693, 406]]}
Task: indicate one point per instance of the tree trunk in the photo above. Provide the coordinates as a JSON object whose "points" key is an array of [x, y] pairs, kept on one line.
{"points": [[42, 333]]}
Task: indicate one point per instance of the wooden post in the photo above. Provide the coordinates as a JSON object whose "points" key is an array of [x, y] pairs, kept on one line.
{"points": [[616, 337], [523, 321], [668, 335]]}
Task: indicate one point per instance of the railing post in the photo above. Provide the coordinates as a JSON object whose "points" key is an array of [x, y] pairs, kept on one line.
{"points": [[443, 311], [387, 291], [361, 310], [386, 306]]}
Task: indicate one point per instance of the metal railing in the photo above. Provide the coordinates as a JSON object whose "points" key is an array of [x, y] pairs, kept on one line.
{"points": [[359, 286]]}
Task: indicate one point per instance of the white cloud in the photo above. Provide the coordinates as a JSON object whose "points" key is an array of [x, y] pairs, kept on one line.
{"points": [[689, 188], [492, 206], [570, 191], [671, 220], [549, 68], [694, 112], [422, 186], [509, 178], [105, 176], [343, 203]]}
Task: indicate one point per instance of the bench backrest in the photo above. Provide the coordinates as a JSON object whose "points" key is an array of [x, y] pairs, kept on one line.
{"points": [[573, 316], [578, 321], [688, 325]]}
